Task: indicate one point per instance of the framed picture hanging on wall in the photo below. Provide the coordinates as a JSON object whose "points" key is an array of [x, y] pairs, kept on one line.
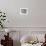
{"points": [[23, 11]]}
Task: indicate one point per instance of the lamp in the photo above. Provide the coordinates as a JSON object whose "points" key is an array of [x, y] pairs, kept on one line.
{"points": [[7, 31]]}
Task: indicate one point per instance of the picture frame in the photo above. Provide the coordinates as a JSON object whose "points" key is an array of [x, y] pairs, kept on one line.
{"points": [[23, 11]]}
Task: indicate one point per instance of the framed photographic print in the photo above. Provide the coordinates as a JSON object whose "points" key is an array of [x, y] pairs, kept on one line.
{"points": [[23, 11]]}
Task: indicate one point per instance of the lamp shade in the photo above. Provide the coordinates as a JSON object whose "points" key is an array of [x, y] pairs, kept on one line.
{"points": [[7, 30]]}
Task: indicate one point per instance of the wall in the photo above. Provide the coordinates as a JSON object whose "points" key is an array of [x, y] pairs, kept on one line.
{"points": [[35, 18], [12, 8], [38, 13]]}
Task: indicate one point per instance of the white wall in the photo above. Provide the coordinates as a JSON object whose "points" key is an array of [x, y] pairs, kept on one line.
{"points": [[12, 8], [38, 13], [36, 16]]}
